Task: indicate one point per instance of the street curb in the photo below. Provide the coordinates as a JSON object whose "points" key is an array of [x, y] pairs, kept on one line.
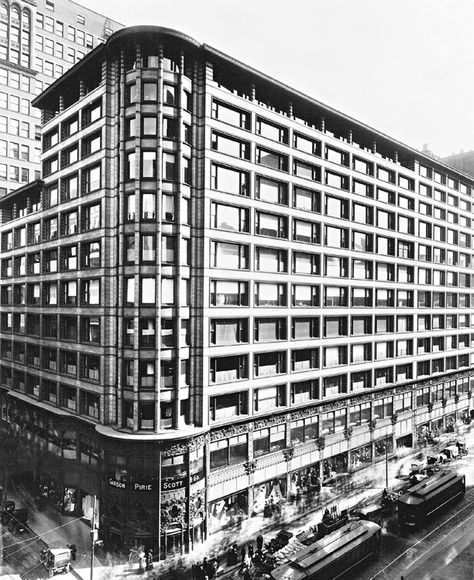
{"points": [[75, 574]]}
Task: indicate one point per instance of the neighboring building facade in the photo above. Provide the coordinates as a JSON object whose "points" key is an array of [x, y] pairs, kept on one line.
{"points": [[39, 41], [461, 161], [223, 294]]}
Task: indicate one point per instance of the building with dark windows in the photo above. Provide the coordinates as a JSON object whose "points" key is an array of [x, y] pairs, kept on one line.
{"points": [[463, 161], [39, 41], [223, 294]]}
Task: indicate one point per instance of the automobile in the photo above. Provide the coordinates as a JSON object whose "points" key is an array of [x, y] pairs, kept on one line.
{"points": [[372, 513], [432, 460], [18, 521], [420, 476], [451, 452], [416, 467], [280, 541], [6, 509], [56, 560]]}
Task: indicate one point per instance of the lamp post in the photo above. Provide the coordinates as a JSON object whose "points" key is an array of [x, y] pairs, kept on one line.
{"points": [[93, 537]]}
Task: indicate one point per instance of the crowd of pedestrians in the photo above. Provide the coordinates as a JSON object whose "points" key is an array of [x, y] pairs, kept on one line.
{"points": [[206, 570]]}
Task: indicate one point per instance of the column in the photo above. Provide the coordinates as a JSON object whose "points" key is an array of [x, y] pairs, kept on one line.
{"points": [[82, 88], [252, 92]]}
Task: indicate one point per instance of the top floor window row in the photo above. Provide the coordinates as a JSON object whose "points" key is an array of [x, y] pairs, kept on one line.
{"points": [[153, 61], [239, 118], [231, 115]]}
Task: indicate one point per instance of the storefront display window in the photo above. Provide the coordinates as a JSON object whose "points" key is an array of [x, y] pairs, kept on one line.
{"points": [[463, 416], [361, 457], [436, 426], [334, 466], [423, 434], [449, 422], [269, 496], [383, 447], [405, 442], [305, 482], [228, 512]]}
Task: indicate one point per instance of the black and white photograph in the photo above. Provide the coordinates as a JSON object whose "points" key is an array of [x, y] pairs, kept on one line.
{"points": [[236, 290]]}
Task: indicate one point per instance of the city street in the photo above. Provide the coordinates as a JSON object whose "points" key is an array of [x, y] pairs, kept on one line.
{"points": [[439, 550], [442, 542]]}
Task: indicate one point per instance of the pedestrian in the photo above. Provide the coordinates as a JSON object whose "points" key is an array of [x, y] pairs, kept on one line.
{"points": [[205, 567], [141, 560], [250, 550], [149, 558], [259, 543], [198, 571], [73, 549], [243, 553]]}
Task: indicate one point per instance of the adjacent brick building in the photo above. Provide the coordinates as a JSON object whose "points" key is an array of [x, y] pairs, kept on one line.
{"points": [[39, 41]]}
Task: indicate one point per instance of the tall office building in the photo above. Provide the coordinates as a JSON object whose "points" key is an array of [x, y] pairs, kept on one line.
{"points": [[39, 41], [223, 293]]}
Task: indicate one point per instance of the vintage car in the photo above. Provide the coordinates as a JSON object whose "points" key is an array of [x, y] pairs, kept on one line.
{"points": [[451, 452], [56, 560]]}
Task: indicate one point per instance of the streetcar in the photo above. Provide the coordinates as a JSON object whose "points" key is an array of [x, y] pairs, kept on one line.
{"points": [[334, 556], [425, 499]]}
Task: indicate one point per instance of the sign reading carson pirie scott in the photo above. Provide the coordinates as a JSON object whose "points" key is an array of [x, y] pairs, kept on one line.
{"points": [[134, 486], [175, 482]]}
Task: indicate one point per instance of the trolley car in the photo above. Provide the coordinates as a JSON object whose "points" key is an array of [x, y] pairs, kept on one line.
{"points": [[335, 556], [425, 499]]}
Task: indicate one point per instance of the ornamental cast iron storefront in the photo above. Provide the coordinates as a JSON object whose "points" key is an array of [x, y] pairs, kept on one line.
{"points": [[154, 493]]}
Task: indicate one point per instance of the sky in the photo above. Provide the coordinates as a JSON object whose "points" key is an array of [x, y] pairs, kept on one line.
{"points": [[403, 67]]}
